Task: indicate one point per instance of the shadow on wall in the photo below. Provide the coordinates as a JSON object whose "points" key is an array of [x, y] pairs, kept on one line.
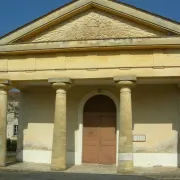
{"points": [[178, 149], [12, 121], [75, 96], [178, 129], [156, 115], [36, 125]]}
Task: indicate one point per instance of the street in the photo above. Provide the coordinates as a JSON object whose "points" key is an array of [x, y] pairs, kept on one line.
{"points": [[76, 176]]}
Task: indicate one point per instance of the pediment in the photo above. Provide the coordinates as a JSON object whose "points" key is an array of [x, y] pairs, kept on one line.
{"points": [[90, 20], [95, 24]]}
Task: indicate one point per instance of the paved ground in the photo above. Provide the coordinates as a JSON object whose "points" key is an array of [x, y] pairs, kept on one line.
{"points": [[31, 171], [87, 168], [77, 176], [65, 176]]}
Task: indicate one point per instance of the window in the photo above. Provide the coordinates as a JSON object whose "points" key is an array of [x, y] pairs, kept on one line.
{"points": [[15, 130]]}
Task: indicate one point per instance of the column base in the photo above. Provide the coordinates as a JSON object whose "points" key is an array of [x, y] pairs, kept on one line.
{"points": [[125, 167], [58, 165], [3, 158], [2, 165], [57, 168]]}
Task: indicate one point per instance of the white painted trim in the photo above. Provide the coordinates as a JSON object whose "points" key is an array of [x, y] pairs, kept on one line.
{"points": [[155, 159], [79, 137], [34, 156], [40, 156], [140, 159], [125, 156]]}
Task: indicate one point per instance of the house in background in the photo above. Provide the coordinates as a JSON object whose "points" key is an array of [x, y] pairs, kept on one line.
{"points": [[12, 126], [12, 115], [99, 83]]}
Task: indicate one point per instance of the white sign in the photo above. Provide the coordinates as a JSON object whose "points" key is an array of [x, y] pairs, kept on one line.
{"points": [[139, 138]]}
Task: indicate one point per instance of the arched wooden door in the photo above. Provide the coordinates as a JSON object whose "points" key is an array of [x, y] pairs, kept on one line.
{"points": [[99, 130]]}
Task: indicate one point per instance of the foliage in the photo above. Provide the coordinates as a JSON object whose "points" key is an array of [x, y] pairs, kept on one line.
{"points": [[13, 104], [8, 144]]}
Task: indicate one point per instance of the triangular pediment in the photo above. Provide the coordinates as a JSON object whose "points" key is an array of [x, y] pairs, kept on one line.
{"points": [[89, 20], [95, 24]]}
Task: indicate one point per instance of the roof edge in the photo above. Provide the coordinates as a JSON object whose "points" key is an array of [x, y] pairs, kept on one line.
{"points": [[119, 7], [142, 43]]}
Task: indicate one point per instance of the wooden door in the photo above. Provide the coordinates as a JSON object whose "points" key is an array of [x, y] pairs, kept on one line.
{"points": [[99, 131], [90, 138], [107, 141], [99, 138]]}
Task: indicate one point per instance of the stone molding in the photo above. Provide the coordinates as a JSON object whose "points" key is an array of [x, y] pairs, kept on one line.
{"points": [[61, 46], [60, 80]]}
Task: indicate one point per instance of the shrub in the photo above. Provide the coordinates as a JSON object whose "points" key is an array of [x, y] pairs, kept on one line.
{"points": [[8, 144], [11, 145]]}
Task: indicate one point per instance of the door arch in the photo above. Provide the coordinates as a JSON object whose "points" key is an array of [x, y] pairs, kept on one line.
{"points": [[99, 130]]}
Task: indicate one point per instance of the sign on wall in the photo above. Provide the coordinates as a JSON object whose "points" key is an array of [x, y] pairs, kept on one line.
{"points": [[139, 138]]}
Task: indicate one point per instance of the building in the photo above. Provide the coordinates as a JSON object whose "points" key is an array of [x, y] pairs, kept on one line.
{"points": [[99, 83], [12, 126], [12, 115]]}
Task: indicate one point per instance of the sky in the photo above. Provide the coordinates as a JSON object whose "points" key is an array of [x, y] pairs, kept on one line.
{"points": [[15, 13]]}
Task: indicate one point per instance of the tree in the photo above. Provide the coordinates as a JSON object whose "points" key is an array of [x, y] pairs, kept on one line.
{"points": [[13, 104]]}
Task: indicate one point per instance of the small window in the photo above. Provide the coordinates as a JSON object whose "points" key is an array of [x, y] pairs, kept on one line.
{"points": [[15, 130]]}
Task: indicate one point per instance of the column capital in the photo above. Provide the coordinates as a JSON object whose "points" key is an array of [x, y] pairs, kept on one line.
{"points": [[60, 83], [5, 84], [125, 81], [64, 86], [126, 84]]}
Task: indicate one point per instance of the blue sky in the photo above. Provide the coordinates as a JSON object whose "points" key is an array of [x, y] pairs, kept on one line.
{"points": [[15, 13]]}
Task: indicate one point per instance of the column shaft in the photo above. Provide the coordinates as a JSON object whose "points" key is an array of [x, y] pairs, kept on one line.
{"points": [[125, 131], [3, 124], [125, 144], [59, 157]]}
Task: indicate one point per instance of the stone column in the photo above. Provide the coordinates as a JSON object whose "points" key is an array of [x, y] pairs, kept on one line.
{"points": [[58, 161], [125, 144], [4, 85]]}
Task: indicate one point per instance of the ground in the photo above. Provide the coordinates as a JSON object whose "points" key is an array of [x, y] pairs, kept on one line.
{"points": [[33, 171], [76, 176]]}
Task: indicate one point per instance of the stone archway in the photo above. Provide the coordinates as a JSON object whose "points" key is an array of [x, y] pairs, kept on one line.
{"points": [[99, 130], [79, 132]]}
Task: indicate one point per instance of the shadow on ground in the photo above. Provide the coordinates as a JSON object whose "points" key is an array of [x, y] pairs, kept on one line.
{"points": [[66, 176]]}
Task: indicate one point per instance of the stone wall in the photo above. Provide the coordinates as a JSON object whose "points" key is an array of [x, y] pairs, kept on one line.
{"points": [[95, 24]]}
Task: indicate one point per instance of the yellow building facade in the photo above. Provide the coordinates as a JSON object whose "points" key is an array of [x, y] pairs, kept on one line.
{"points": [[99, 83]]}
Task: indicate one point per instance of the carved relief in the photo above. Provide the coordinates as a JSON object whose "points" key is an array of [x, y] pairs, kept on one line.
{"points": [[95, 24]]}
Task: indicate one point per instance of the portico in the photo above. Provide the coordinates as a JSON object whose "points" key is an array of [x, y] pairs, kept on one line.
{"points": [[95, 95], [67, 133], [125, 150]]}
